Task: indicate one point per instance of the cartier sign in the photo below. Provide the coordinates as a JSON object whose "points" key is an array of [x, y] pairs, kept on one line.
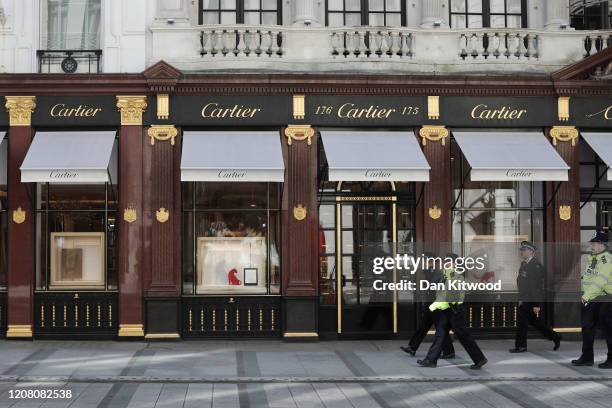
{"points": [[215, 110], [76, 110], [498, 112], [591, 112]]}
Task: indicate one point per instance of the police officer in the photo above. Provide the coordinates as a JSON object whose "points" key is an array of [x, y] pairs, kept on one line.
{"points": [[427, 316], [450, 313], [530, 283], [596, 286]]}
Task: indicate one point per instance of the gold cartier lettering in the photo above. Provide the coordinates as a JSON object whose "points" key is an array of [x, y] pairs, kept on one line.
{"points": [[348, 110], [215, 111], [60, 110], [483, 111], [606, 113]]}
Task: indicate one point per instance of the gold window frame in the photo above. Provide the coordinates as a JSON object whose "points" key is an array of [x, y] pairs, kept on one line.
{"points": [[56, 283]]}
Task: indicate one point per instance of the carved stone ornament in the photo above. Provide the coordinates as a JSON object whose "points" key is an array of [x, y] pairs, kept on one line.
{"points": [[162, 133], [299, 212], [19, 216], [434, 134], [20, 109], [435, 213], [565, 212], [130, 215], [564, 134], [162, 215], [299, 133], [131, 108]]}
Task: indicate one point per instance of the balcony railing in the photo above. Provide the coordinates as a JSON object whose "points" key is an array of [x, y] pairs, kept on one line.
{"points": [[404, 50], [69, 61]]}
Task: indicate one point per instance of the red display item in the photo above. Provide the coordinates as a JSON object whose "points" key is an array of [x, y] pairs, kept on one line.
{"points": [[232, 279]]}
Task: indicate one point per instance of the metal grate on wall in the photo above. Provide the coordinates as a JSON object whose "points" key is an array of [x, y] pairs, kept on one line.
{"points": [[492, 315], [246, 316], [75, 313]]}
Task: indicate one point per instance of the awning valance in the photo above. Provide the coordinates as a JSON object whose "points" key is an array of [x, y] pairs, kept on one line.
{"points": [[374, 156], [601, 143], [69, 157], [518, 156], [232, 157]]}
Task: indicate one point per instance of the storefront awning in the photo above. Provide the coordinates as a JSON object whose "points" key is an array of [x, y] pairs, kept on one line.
{"points": [[518, 156], [69, 157], [232, 157], [374, 156], [601, 143]]}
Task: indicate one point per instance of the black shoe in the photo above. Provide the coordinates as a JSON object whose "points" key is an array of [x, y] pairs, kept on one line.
{"points": [[479, 364], [448, 356], [606, 364], [557, 342], [518, 350], [582, 362], [427, 363], [408, 350]]}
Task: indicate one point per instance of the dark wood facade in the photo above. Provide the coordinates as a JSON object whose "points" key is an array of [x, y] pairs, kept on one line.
{"points": [[150, 271]]}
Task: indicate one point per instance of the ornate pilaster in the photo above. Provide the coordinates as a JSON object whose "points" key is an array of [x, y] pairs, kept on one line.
{"points": [[20, 109], [434, 12], [556, 14], [131, 108]]}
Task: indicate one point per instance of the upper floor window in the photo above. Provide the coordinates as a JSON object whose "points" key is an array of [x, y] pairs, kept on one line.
{"points": [[591, 14], [267, 12], [365, 12], [488, 13], [70, 24]]}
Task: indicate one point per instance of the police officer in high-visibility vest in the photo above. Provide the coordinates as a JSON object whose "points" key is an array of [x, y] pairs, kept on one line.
{"points": [[530, 283], [596, 300], [450, 314]]}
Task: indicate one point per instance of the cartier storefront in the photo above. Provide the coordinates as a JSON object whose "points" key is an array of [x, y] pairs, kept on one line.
{"points": [[175, 205]]}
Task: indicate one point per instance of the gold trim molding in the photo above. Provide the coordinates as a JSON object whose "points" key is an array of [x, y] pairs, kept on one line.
{"points": [[131, 108], [162, 133], [433, 107], [131, 330], [564, 134], [299, 133], [163, 106], [162, 215], [300, 334], [19, 216], [564, 108], [19, 331], [299, 106], [20, 110], [434, 134], [162, 336]]}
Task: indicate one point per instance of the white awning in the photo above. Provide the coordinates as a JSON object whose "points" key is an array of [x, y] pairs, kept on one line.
{"points": [[232, 157], [69, 157], [374, 156], [518, 156], [601, 143]]}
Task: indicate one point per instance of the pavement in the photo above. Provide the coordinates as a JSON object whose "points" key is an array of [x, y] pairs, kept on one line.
{"points": [[264, 373]]}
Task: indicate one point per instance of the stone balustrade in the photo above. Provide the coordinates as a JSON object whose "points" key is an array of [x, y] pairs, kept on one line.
{"points": [[241, 41]]}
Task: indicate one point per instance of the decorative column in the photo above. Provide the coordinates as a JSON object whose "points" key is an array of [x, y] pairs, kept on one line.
{"points": [[304, 13], [130, 221], [21, 237], [300, 232], [432, 12], [556, 14]]}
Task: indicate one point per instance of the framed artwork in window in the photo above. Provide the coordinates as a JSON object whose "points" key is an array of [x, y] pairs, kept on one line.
{"points": [[77, 260]]}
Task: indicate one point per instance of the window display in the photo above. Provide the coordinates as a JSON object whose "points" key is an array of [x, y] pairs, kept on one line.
{"points": [[77, 259]]}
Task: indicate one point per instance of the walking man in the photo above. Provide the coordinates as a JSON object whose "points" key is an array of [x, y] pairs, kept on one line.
{"points": [[530, 283]]}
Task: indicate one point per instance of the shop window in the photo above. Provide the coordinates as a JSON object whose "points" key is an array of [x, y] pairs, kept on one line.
{"points": [[488, 13], [350, 13], [493, 218], [231, 238], [252, 12], [70, 24], [76, 237], [591, 14]]}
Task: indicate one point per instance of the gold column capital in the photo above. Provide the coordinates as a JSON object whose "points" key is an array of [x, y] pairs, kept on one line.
{"points": [[299, 133], [131, 107], [20, 109], [131, 330], [564, 134], [19, 331], [162, 133], [434, 134]]}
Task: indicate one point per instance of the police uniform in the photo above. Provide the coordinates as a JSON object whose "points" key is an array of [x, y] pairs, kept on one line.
{"points": [[530, 284], [450, 314], [596, 287]]}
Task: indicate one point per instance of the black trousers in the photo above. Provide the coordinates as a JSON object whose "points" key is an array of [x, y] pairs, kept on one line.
{"points": [[425, 323], [592, 314], [454, 318], [525, 317]]}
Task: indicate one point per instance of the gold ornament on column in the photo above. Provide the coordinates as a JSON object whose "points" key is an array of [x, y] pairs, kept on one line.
{"points": [[163, 106], [20, 109], [433, 107], [19, 216], [162, 133], [434, 134], [131, 108], [435, 213], [564, 108], [564, 134], [162, 215], [299, 106], [300, 212], [130, 215], [565, 212], [299, 133]]}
